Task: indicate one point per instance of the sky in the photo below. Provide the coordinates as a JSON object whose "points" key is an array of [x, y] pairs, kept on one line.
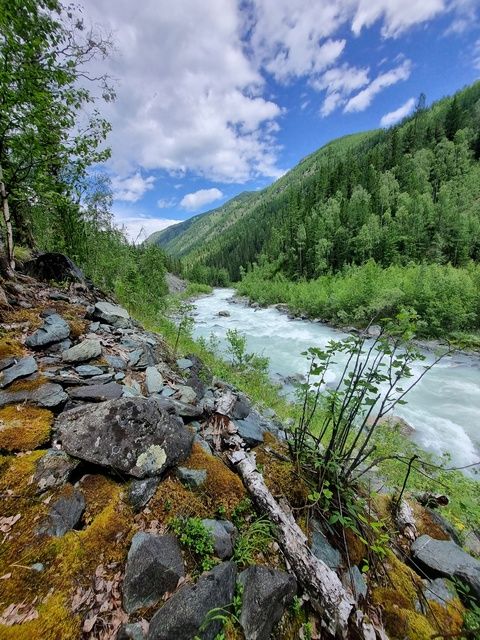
{"points": [[223, 96]]}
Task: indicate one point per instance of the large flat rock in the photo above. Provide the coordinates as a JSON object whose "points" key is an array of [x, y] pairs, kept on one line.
{"points": [[54, 329], [85, 350], [112, 314], [47, 395], [22, 368], [131, 435]]}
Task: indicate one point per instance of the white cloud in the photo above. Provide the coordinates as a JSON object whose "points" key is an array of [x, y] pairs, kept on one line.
{"points": [[131, 188], [188, 96], [362, 100], [396, 15], [340, 82], [395, 116], [193, 201], [166, 203], [138, 226]]}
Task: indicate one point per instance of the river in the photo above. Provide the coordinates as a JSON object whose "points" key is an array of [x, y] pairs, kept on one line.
{"points": [[444, 408]]}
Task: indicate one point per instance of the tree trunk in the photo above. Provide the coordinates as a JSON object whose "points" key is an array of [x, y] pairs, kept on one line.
{"points": [[8, 224], [329, 598]]}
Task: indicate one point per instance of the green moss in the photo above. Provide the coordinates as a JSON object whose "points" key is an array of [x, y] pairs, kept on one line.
{"points": [[23, 428], [10, 347]]}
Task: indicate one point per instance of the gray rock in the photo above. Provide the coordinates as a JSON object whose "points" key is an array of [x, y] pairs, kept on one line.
{"points": [[131, 631], [97, 392], [446, 559], [48, 395], [269, 414], [53, 470], [94, 327], [112, 314], [154, 566], [472, 543], [168, 392], [130, 392], [224, 313], [54, 266], [153, 380], [131, 435], [251, 430], [374, 331], [38, 567], [184, 363], [103, 378], [88, 370], [54, 329], [147, 358], [203, 443], [116, 362], [178, 408], [56, 295], [266, 594], [186, 394], [85, 350], [191, 477], [241, 408], [223, 534], [134, 357], [140, 492], [7, 362], [439, 590], [355, 582], [186, 611], [58, 347], [322, 549], [119, 376], [23, 367], [65, 514]]}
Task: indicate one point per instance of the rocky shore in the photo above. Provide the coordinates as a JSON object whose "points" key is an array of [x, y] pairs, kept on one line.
{"points": [[108, 440]]}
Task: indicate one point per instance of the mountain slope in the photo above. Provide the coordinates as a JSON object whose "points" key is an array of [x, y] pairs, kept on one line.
{"points": [[407, 194]]}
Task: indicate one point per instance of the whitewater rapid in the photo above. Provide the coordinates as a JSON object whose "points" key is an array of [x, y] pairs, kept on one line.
{"points": [[444, 408]]}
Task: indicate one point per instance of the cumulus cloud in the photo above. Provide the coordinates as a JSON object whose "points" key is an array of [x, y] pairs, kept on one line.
{"points": [[193, 201], [396, 15], [340, 82], [395, 116], [166, 203], [138, 225], [362, 100], [131, 188]]}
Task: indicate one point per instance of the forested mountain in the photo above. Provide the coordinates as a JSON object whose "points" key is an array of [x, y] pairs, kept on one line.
{"points": [[410, 193]]}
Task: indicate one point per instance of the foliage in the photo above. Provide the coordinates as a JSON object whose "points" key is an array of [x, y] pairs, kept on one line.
{"points": [[237, 350], [193, 534], [254, 539]]}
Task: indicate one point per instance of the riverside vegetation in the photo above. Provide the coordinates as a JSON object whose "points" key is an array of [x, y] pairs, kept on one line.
{"points": [[83, 385]]}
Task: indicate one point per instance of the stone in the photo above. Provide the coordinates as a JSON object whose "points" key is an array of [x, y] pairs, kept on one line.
{"points": [[58, 347], [269, 414], [399, 423], [223, 534], [444, 558], [140, 492], [186, 611], [103, 378], [57, 295], [131, 631], [154, 566], [167, 392], [131, 435], [48, 395], [374, 331], [439, 590], [65, 514], [85, 350], [7, 362], [94, 327], [119, 376], [54, 329], [88, 370], [241, 408], [266, 594], [112, 314], [471, 543], [116, 362], [56, 267], [251, 430], [97, 392], [38, 567], [203, 443], [147, 358], [355, 582], [191, 477], [178, 408], [22, 368], [186, 394], [53, 470], [153, 380], [322, 549], [184, 363], [224, 313]]}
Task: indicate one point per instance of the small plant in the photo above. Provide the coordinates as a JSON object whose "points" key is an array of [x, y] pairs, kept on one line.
{"points": [[182, 312], [193, 534], [228, 616], [237, 350], [255, 539]]}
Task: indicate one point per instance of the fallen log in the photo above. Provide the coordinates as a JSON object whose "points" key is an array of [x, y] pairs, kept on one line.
{"points": [[328, 596]]}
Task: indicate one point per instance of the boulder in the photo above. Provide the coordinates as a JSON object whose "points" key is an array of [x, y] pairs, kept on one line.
{"points": [[22, 368], [444, 558], [140, 492], [55, 266], [54, 329], [186, 611], [85, 350], [53, 470], [112, 314], [266, 594], [65, 514], [153, 380], [154, 566], [131, 435], [97, 392], [48, 395], [223, 534], [192, 477]]}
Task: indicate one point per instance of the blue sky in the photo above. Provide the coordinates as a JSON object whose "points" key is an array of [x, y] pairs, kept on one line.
{"points": [[219, 97]]}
